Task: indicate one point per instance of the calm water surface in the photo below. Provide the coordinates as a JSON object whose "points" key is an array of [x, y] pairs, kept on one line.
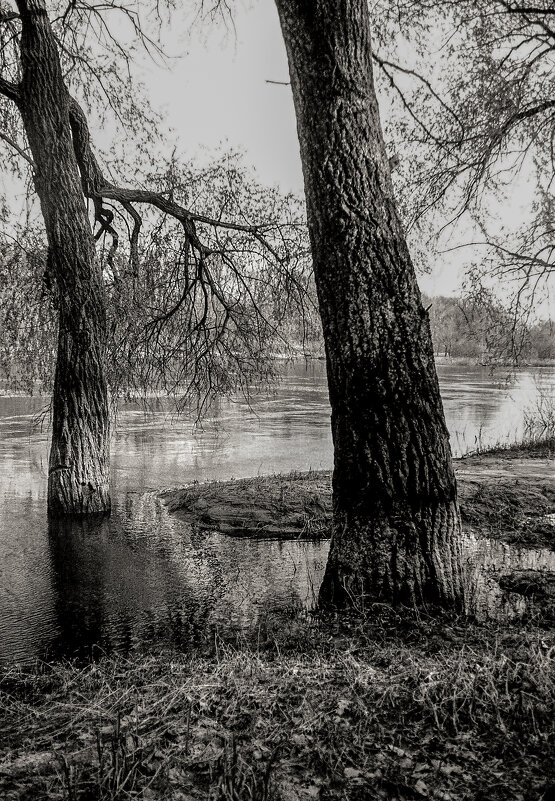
{"points": [[145, 577]]}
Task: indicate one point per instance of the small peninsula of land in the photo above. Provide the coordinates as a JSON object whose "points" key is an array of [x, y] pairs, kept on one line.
{"points": [[506, 494]]}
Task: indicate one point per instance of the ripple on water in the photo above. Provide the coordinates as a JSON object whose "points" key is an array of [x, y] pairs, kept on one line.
{"points": [[145, 577], [491, 560]]}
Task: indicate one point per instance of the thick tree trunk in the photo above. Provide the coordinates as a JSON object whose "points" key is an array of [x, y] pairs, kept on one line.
{"points": [[396, 528], [79, 456]]}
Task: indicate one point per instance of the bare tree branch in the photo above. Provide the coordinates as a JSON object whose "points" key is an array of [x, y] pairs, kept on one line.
{"points": [[16, 147], [9, 90]]}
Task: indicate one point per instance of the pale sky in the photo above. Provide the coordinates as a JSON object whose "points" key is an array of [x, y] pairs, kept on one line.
{"points": [[215, 96]]}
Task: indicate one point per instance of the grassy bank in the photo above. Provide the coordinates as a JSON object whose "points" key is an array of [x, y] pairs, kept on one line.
{"points": [[506, 493], [398, 706]]}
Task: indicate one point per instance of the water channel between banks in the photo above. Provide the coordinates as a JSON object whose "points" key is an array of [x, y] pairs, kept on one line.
{"points": [[144, 576]]}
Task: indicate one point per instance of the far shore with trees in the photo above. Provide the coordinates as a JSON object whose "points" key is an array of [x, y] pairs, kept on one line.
{"points": [[462, 329], [484, 332]]}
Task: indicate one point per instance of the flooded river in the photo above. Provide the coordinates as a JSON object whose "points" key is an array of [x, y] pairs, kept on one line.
{"points": [[145, 577]]}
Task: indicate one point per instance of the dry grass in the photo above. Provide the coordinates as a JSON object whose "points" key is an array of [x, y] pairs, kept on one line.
{"points": [[295, 505], [530, 447], [394, 707], [515, 511]]}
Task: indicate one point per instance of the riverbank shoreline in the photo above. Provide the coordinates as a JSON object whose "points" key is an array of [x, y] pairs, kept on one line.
{"points": [[506, 494], [396, 704], [15, 389]]}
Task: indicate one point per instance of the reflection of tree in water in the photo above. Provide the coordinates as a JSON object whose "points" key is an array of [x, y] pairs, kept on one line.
{"points": [[78, 584], [146, 579], [128, 582], [266, 577]]}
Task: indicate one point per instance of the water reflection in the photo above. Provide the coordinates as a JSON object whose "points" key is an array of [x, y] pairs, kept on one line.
{"points": [[116, 587], [146, 577], [143, 576], [78, 570], [490, 559]]}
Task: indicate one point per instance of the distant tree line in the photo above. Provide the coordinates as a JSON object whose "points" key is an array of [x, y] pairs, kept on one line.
{"points": [[483, 329], [474, 325]]}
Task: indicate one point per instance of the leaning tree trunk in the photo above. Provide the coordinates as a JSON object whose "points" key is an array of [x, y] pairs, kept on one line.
{"points": [[79, 457], [396, 528]]}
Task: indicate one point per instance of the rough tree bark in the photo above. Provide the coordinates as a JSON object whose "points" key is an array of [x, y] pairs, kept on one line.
{"points": [[396, 527], [78, 479]]}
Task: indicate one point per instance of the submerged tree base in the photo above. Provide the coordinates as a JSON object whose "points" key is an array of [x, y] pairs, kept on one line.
{"points": [[508, 495], [67, 497], [405, 557]]}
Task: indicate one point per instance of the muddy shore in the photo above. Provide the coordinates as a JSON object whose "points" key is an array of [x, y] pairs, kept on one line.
{"points": [[507, 495]]}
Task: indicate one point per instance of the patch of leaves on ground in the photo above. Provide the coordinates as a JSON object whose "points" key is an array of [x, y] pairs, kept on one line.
{"points": [[395, 706]]}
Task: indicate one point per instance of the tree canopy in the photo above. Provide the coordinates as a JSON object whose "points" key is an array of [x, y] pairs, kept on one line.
{"points": [[201, 266]]}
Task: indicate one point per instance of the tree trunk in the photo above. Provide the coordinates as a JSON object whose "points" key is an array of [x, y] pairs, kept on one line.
{"points": [[79, 457], [396, 528]]}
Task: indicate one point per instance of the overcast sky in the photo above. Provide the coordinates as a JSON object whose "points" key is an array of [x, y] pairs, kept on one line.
{"points": [[217, 94]]}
